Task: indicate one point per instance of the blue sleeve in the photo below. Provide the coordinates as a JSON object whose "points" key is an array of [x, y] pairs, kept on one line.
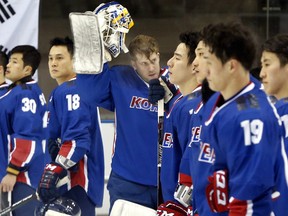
{"points": [[185, 162], [24, 123], [281, 181], [95, 89], [281, 166], [182, 126]]}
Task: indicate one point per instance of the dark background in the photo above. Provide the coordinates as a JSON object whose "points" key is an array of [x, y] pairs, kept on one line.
{"points": [[163, 19]]}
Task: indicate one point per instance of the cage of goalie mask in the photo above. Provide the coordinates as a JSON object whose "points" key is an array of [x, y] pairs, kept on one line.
{"points": [[115, 22], [60, 207]]}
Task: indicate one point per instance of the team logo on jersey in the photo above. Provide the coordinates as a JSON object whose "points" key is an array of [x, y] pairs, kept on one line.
{"points": [[167, 140], [207, 154], [196, 131], [142, 103], [7, 11]]}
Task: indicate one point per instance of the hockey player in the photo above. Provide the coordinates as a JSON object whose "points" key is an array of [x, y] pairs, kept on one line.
{"points": [[124, 90], [274, 75], [3, 65], [176, 122], [75, 141], [197, 159], [23, 122], [242, 129]]}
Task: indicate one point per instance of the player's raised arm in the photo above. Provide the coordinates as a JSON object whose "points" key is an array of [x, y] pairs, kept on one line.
{"points": [[111, 23]]}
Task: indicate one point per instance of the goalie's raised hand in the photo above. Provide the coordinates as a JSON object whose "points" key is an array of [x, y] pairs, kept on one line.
{"points": [[47, 188], [115, 22]]}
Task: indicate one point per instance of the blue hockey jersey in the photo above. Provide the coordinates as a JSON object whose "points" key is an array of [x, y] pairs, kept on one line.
{"points": [[3, 88], [198, 159], [245, 135], [121, 90], [23, 115], [281, 167], [77, 126], [175, 139]]}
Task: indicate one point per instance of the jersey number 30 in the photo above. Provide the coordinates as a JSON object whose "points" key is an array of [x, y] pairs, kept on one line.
{"points": [[29, 105], [253, 131]]}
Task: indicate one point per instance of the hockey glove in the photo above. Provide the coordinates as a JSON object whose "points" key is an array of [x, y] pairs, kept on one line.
{"points": [[161, 88], [217, 191], [47, 188], [53, 148], [171, 208], [156, 91]]}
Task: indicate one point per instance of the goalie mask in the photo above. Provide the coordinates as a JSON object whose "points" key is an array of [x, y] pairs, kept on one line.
{"points": [[115, 22], [60, 207]]}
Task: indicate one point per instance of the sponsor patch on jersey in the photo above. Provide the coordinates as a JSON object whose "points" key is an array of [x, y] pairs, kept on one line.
{"points": [[207, 154], [142, 103], [247, 101]]}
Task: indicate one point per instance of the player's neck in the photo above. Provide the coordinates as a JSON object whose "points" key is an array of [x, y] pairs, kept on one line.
{"points": [[2, 80], [282, 92], [235, 84], [63, 79], [188, 87]]}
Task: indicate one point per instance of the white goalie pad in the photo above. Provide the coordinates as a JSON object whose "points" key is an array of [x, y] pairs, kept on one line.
{"points": [[88, 43], [126, 208]]}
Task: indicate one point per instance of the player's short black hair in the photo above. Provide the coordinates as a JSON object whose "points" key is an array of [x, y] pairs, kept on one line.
{"points": [[68, 42], [230, 40], [191, 40], [279, 46], [255, 72], [3, 60], [31, 56]]}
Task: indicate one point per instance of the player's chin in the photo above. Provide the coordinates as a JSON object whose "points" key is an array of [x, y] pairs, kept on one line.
{"points": [[154, 76], [265, 85], [53, 76]]}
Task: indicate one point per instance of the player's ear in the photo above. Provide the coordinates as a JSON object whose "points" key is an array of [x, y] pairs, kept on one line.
{"points": [[191, 69], [133, 63], [28, 70], [1, 69], [232, 65], [286, 68]]}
